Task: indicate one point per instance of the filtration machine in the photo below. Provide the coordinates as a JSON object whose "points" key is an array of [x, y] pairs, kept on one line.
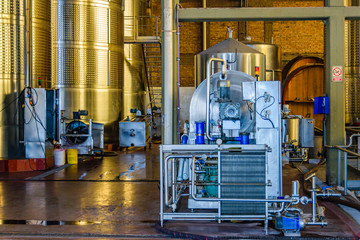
{"points": [[228, 165]]}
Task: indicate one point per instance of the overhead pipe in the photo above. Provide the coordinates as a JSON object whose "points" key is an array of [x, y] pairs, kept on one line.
{"points": [[168, 70]]}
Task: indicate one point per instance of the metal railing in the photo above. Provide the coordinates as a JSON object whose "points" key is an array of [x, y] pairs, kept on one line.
{"points": [[343, 150], [354, 162], [141, 28]]}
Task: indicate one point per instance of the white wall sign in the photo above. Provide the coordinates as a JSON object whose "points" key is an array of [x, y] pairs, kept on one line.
{"points": [[337, 74]]}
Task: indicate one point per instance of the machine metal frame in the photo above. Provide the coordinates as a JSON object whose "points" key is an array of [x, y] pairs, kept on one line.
{"points": [[169, 199], [170, 194], [231, 178]]}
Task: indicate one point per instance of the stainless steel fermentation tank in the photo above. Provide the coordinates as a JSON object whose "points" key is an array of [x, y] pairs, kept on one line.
{"points": [[273, 58], [352, 66], [88, 59], [12, 65], [41, 43], [238, 56], [134, 65]]}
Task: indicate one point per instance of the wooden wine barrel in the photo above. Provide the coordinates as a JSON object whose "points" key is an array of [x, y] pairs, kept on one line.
{"points": [[302, 81]]}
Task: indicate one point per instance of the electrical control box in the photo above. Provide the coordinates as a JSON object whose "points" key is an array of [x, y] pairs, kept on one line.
{"points": [[307, 132], [35, 122], [321, 105]]}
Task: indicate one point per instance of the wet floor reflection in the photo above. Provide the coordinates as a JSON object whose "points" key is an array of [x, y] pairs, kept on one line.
{"points": [[47, 223], [131, 165]]}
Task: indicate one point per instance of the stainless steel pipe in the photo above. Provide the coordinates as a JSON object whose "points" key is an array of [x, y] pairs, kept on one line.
{"points": [[166, 173], [350, 143], [208, 85], [313, 196], [168, 70], [345, 173], [295, 188]]}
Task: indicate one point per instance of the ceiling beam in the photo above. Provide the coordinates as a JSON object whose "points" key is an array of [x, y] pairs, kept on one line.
{"points": [[266, 14]]}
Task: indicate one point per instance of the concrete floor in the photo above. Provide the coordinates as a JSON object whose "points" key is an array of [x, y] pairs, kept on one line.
{"points": [[117, 198]]}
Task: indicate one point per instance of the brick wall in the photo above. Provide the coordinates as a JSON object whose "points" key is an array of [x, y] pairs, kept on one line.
{"points": [[298, 3], [255, 30], [299, 37], [294, 38]]}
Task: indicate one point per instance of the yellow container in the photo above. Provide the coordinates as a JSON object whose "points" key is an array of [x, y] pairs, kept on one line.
{"points": [[72, 156]]}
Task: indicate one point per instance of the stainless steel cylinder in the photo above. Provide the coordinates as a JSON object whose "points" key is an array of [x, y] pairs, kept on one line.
{"points": [[12, 64], [238, 56], [273, 58], [88, 59], [352, 2], [290, 130], [41, 43], [352, 67], [11, 73], [134, 64], [199, 114], [295, 188]]}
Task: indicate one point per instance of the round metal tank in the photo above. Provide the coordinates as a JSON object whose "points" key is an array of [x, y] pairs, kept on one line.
{"points": [[239, 57], [88, 59], [352, 67], [273, 58], [41, 43], [315, 151], [198, 100], [12, 39], [134, 65], [290, 130], [351, 3]]}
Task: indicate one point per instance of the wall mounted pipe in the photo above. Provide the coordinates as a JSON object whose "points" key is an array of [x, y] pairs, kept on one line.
{"points": [[208, 84]]}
